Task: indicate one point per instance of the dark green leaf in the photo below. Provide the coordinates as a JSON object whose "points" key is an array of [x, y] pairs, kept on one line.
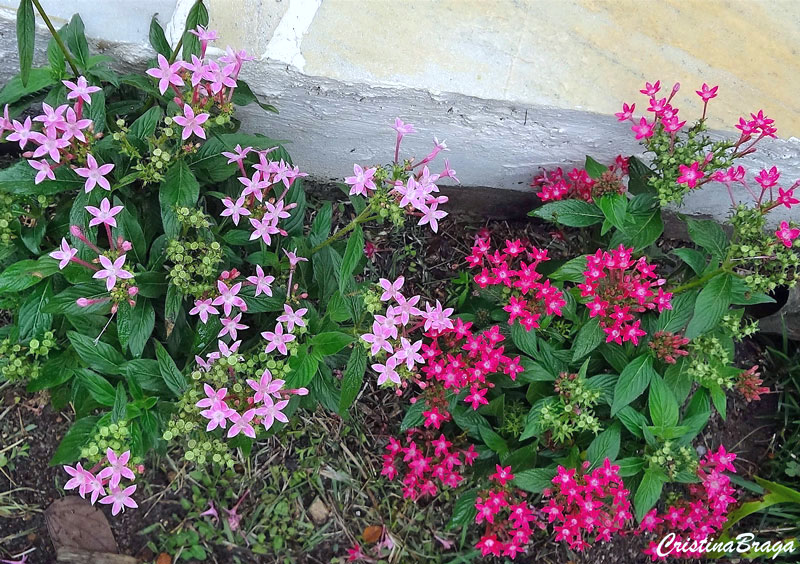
{"points": [[352, 255], [120, 404], [157, 38], [135, 325], [535, 480], [33, 321], [69, 449], [588, 338], [633, 380], [633, 420], [648, 492], [26, 36], [353, 378], [494, 441], [20, 177], [321, 226], [663, 405], [14, 90], [76, 41], [463, 510], [172, 307], [694, 258], [303, 372], [97, 355], [640, 230], [173, 378], [26, 273], [614, 208], [328, 343], [146, 374], [594, 169], [605, 445], [719, 399], [99, 388], [572, 270], [96, 111], [524, 340], [630, 466], [708, 234], [712, 304], [534, 372], [145, 124], [572, 213], [178, 189], [413, 417], [675, 319]]}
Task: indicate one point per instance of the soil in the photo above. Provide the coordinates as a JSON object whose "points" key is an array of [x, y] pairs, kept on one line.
{"points": [[747, 430]]}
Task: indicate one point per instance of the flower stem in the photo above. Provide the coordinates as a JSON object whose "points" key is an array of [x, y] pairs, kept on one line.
{"points": [[702, 280], [363, 217], [57, 37]]}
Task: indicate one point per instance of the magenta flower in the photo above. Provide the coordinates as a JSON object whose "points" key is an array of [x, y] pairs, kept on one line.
{"points": [[786, 197], [706, 93], [234, 209], [166, 73], [271, 412], [292, 317], [231, 326], [203, 308], [362, 181], [690, 174], [228, 297], [241, 424], [787, 234], [45, 170], [768, 178], [644, 129], [117, 468], [65, 254], [120, 499], [191, 123], [265, 387], [80, 90], [49, 145], [22, 132], [261, 282], [626, 113], [277, 340], [651, 89], [94, 174], [112, 270], [104, 214]]}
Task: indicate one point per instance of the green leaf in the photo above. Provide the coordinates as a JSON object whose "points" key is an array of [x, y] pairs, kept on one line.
{"points": [[494, 441], [588, 338], [572, 213], [572, 270], [55, 57], [178, 189], [675, 319], [630, 466], [76, 41], [533, 422], [321, 226], [614, 208], [328, 343], [594, 169], [533, 371], [352, 255], [20, 177], [145, 124], [605, 445], [353, 378], [69, 449], [98, 355], [633, 380], [633, 420], [26, 273], [172, 307], [708, 234], [712, 304], [463, 510], [741, 294], [33, 321], [14, 90], [135, 325], [719, 399], [157, 38], [638, 175], [524, 340], [303, 373], [26, 37], [198, 15], [173, 378], [663, 405], [648, 492], [146, 374], [694, 258], [65, 303], [131, 230], [535, 479], [120, 404], [413, 417], [640, 230], [243, 96], [99, 388]]}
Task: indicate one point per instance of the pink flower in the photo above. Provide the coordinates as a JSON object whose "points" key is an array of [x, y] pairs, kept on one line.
{"points": [[391, 289], [402, 128], [214, 398], [120, 499], [241, 424], [644, 129], [690, 174], [166, 73], [79, 478], [263, 229], [786, 197], [431, 216], [49, 145], [73, 126], [292, 317], [409, 352], [231, 326], [112, 270], [626, 113], [104, 214], [266, 387], [707, 93], [378, 339], [502, 475], [237, 155], [191, 123], [22, 132], [362, 181], [217, 416], [261, 282], [387, 371], [80, 90], [117, 468], [768, 178], [271, 412], [228, 297], [787, 234], [651, 89], [94, 174], [277, 340], [44, 169], [65, 254], [203, 308], [204, 34], [294, 260], [52, 118], [234, 209]]}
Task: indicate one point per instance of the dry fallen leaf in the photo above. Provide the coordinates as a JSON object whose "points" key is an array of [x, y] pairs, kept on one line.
{"points": [[372, 534], [74, 524], [318, 511], [163, 558]]}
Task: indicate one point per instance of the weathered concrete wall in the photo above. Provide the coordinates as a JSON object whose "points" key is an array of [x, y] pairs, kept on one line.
{"points": [[511, 85]]}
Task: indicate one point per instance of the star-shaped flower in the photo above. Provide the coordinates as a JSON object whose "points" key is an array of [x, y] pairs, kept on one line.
{"points": [[80, 89], [277, 340], [104, 214], [112, 270], [261, 282], [94, 174], [191, 123]]}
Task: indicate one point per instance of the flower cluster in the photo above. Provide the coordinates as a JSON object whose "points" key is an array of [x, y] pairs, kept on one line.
{"points": [[118, 280], [406, 188], [514, 269], [578, 185], [425, 463], [748, 384], [507, 515], [619, 288], [390, 340], [572, 411], [703, 512], [105, 482], [667, 346], [24, 361], [587, 506]]}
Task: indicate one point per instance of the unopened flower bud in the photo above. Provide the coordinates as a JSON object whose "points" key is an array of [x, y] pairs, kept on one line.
{"points": [[133, 290], [82, 302], [76, 231]]}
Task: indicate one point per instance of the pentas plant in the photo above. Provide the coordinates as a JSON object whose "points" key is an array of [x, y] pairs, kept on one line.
{"points": [[103, 481]]}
